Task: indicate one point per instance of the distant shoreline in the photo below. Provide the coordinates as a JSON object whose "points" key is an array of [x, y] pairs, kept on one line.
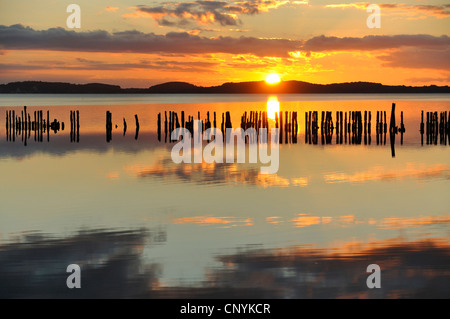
{"points": [[256, 87]]}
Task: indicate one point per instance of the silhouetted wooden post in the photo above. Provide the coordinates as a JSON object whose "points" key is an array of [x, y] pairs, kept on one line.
{"points": [[13, 125], [286, 125], [392, 125], [281, 127], [322, 120], [41, 118], [170, 126], [182, 119], [7, 126], [137, 126], [306, 127], [48, 126], [78, 126], [108, 126], [159, 126], [402, 128]]}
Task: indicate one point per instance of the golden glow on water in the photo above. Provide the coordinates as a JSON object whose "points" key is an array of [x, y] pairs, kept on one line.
{"points": [[273, 106]]}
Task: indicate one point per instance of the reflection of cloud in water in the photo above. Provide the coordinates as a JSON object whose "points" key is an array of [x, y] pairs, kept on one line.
{"points": [[412, 170], [220, 222], [411, 269], [304, 220], [35, 266], [113, 266], [215, 173], [411, 222]]}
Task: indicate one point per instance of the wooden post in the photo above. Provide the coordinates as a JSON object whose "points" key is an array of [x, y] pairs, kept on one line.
{"points": [[137, 126]]}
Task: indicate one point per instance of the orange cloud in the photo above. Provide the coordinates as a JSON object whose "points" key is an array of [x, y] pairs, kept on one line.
{"points": [[204, 12]]}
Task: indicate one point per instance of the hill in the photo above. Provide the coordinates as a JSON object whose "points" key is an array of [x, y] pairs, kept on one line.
{"points": [[255, 87]]}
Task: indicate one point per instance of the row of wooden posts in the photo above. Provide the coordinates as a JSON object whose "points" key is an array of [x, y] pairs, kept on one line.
{"points": [[172, 122], [437, 126], [253, 119], [349, 126], [109, 126], [21, 124]]}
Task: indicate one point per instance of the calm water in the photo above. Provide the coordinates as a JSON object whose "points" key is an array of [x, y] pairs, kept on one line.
{"points": [[140, 225]]}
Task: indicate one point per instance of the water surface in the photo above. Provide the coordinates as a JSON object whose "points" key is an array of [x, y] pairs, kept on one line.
{"points": [[140, 225]]}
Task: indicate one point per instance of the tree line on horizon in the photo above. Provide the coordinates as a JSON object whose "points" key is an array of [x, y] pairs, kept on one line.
{"points": [[255, 87]]}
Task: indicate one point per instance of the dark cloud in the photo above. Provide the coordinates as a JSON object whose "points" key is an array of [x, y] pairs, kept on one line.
{"points": [[418, 59], [204, 12], [439, 11], [19, 37], [375, 42]]}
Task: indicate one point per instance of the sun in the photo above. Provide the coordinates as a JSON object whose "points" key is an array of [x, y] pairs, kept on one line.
{"points": [[273, 78]]}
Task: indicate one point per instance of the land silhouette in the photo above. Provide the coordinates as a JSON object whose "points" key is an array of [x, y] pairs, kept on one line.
{"points": [[254, 87]]}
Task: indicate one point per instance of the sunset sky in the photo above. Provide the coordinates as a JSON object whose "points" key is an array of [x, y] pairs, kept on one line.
{"points": [[141, 43]]}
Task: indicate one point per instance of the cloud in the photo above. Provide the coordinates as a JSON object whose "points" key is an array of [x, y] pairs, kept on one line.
{"points": [[204, 12], [439, 11], [18, 37], [418, 59], [357, 5], [418, 51], [375, 42], [430, 79], [92, 65], [415, 51]]}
